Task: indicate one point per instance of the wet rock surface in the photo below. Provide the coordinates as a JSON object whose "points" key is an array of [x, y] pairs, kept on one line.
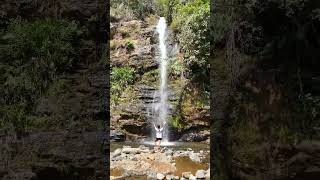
{"points": [[155, 164]]}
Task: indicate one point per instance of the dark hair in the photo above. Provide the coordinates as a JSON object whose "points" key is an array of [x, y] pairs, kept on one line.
{"points": [[158, 126]]}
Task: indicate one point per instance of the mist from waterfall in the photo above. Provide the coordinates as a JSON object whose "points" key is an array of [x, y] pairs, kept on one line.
{"points": [[161, 107]]}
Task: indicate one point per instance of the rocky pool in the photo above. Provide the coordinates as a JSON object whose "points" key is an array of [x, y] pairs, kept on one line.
{"points": [[174, 161]]}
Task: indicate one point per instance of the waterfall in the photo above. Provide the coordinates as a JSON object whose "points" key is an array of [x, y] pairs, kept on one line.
{"points": [[161, 107]]}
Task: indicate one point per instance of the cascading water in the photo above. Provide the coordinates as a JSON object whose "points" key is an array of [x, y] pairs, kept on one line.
{"points": [[159, 111], [161, 107]]}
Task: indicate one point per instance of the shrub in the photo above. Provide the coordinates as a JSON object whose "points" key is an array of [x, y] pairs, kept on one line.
{"points": [[131, 8], [150, 77], [122, 75], [120, 79], [32, 56], [40, 49], [121, 11], [141, 8], [165, 8], [191, 22], [129, 45], [177, 67], [177, 122]]}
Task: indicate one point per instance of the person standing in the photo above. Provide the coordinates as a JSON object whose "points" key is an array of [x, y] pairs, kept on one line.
{"points": [[159, 133]]}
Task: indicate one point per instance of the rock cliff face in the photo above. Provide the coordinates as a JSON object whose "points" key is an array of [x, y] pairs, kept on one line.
{"points": [[130, 117], [77, 149]]}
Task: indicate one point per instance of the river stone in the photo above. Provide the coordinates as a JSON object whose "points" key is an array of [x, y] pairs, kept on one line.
{"points": [[192, 177], [160, 176], [186, 174], [117, 136], [117, 152], [130, 150], [118, 158], [169, 152], [195, 157], [143, 147], [169, 177], [200, 174], [117, 178], [151, 175], [180, 154], [144, 151], [123, 156]]}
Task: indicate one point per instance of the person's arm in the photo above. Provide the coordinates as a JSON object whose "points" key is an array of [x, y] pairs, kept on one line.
{"points": [[163, 125], [155, 126]]}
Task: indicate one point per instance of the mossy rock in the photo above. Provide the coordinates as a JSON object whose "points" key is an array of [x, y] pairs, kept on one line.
{"points": [[150, 77]]}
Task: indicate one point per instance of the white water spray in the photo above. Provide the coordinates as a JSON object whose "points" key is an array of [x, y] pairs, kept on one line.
{"points": [[162, 106]]}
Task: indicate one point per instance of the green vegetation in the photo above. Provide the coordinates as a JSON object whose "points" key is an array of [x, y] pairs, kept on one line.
{"points": [[120, 11], [177, 122], [130, 9], [33, 55], [165, 8], [190, 21], [150, 77], [121, 78], [129, 45], [177, 67]]}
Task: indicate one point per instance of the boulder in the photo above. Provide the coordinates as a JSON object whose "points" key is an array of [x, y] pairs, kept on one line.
{"points": [[130, 150], [152, 176], [160, 176], [169, 152], [192, 177], [117, 136], [169, 177], [186, 174], [196, 136], [201, 174], [195, 157], [117, 152]]}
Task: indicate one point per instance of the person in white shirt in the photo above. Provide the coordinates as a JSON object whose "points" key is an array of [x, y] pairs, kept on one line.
{"points": [[159, 131]]}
